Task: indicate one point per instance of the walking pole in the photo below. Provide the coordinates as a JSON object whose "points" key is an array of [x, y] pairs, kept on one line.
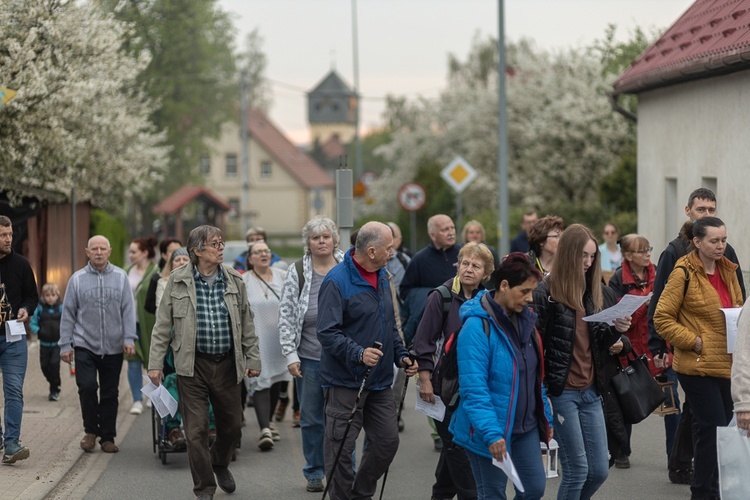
{"points": [[400, 330], [398, 417], [376, 345]]}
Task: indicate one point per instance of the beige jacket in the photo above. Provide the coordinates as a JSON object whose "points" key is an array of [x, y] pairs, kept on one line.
{"points": [[741, 365], [177, 310], [681, 316]]}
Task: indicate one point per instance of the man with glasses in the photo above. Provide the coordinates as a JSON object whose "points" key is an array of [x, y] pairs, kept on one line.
{"points": [[98, 318], [206, 317], [18, 298], [701, 203]]}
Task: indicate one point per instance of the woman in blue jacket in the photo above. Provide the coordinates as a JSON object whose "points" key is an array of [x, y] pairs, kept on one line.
{"points": [[503, 406]]}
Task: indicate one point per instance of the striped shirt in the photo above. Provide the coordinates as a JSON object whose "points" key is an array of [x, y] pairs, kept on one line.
{"points": [[213, 333]]}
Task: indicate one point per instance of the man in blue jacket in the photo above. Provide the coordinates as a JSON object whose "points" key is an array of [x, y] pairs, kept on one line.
{"points": [[355, 310]]}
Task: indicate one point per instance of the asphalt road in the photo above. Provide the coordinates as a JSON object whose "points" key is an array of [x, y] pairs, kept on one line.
{"points": [[136, 472]]}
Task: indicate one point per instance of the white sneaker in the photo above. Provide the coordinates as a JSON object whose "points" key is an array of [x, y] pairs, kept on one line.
{"points": [[137, 408], [274, 432], [265, 442], [148, 403]]}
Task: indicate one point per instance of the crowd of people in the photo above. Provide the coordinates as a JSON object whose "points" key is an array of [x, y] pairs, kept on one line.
{"points": [[326, 333]]}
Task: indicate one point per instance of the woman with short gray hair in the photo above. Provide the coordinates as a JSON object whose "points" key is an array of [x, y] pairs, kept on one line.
{"points": [[298, 314]]}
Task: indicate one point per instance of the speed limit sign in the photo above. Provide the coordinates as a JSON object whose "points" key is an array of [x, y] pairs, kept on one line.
{"points": [[411, 196]]}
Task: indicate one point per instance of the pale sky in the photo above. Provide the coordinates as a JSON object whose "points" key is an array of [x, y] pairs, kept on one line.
{"points": [[404, 44]]}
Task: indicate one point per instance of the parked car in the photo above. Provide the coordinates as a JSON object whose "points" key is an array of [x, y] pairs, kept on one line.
{"points": [[232, 250]]}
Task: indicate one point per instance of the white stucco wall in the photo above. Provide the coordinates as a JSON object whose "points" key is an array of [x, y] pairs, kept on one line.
{"points": [[689, 132]]}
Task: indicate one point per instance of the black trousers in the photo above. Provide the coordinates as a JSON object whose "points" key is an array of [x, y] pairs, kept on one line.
{"points": [[99, 398], [49, 359], [453, 475], [711, 402]]}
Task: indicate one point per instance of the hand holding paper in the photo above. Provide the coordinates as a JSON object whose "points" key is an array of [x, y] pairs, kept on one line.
{"points": [[626, 307], [436, 410], [162, 400]]}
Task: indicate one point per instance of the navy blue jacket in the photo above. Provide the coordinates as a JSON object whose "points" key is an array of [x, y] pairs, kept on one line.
{"points": [[352, 315]]}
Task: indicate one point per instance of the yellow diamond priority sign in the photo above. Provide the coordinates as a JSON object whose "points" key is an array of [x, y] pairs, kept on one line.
{"points": [[458, 174], [6, 95]]}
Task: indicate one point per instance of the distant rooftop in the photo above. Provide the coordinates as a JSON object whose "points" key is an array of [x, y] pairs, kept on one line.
{"points": [[711, 38]]}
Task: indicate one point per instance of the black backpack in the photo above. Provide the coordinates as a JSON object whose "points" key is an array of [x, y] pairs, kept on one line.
{"points": [[447, 367]]}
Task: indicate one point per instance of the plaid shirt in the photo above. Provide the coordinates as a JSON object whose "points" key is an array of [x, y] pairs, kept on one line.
{"points": [[213, 333]]}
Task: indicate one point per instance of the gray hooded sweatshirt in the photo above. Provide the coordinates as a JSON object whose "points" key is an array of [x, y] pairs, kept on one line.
{"points": [[98, 311]]}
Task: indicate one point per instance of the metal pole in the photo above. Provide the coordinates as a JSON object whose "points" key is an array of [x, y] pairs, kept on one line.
{"points": [[355, 50], [72, 231], [503, 234], [245, 138], [459, 210], [413, 231], [344, 205]]}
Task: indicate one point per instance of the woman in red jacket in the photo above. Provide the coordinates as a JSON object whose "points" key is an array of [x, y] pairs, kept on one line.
{"points": [[636, 277]]}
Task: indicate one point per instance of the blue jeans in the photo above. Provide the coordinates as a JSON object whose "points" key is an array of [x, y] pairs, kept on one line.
{"points": [[13, 360], [311, 419], [525, 453], [135, 379], [580, 430]]}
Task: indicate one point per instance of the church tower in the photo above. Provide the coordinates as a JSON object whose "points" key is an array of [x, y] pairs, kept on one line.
{"points": [[332, 108]]}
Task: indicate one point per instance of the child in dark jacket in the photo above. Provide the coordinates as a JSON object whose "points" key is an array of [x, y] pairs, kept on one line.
{"points": [[46, 324]]}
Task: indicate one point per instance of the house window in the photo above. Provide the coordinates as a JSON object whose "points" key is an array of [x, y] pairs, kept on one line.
{"points": [[265, 170], [234, 211], [231, 165], [205, 165]]}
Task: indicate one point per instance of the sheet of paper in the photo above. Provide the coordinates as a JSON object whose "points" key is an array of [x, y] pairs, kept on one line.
{"points": [[163, 402], [436, 410], [14, 331], [731, 314], [510, 471], [626, 307]]}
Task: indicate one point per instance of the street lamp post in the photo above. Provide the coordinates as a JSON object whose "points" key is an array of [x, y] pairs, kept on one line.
{"points": [[503, 235]]}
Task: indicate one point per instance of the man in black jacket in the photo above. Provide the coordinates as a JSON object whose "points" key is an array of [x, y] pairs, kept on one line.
{"points": [[429, 268], [702, 203], [18, 298]]}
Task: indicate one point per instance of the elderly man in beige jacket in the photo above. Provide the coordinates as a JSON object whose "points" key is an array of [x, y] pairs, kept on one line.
{"points": [[205, 315]]}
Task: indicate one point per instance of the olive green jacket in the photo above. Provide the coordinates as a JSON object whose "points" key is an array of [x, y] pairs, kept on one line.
{"points": [[177, 311]]}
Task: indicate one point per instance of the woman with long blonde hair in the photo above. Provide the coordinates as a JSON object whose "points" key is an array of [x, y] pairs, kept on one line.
{"points": [[575, 355]]}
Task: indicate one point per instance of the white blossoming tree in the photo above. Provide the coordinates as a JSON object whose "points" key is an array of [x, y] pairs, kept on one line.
{"points": [[563, 136], [78, 119]]}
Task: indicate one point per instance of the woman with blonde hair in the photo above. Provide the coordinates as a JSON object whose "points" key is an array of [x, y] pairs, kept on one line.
{"points": [[475, 265], [474, 231], [576, 353]]}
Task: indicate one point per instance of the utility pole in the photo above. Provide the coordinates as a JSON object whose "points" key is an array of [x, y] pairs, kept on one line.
{"points": [[355, 50], [245, 138], [503, 243]]}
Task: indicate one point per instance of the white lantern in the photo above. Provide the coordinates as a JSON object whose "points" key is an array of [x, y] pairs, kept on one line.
{"points": [[549, 455]]}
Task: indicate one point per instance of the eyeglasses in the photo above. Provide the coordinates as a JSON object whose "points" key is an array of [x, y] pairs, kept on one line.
{"points": [[553, 236], [216, 244], [261, 252], [644, 251]]}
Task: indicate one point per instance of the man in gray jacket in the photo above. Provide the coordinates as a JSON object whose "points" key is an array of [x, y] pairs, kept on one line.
{"points": [[99, 320]]}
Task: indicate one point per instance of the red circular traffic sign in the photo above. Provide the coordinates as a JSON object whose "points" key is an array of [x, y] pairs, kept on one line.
{"points": [[412, 196]]}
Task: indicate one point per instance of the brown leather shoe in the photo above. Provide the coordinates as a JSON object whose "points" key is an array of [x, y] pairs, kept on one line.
{"points": [[88, 443], [177, 439], [109, 447]]}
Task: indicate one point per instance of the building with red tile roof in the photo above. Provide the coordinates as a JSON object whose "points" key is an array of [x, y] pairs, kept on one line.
{"points": [[693, 89], [286, 188]]}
